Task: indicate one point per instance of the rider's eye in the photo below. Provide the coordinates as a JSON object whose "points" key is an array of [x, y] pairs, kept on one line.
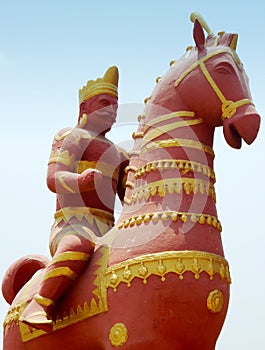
{"points": [[104, 103], [224, 68]]}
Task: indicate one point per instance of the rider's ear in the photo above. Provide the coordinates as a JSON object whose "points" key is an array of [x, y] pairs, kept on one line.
{"points": [[82, 108], [198, 35]]}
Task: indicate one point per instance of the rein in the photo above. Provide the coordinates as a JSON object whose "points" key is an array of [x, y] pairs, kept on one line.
{"points": [[228, 107]]}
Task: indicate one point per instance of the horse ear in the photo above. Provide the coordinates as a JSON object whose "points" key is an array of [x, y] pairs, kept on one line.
{"points": [[198, 35]]}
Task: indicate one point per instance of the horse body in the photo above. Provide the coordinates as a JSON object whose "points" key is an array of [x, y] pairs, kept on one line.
{"points": [[159, 277]]}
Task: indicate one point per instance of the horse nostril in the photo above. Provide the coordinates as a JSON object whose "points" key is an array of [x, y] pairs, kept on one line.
{"points": [[242, 125], [247, 127]]}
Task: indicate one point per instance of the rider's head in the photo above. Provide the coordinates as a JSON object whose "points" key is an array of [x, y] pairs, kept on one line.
{"points": [[98, 102]]}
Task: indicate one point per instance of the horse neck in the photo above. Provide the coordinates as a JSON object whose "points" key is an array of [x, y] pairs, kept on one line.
{"points": [[179, 134], [172, 156]]}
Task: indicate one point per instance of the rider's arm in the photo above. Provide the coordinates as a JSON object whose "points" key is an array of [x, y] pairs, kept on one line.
{"points": [[122, 174], [62, 176]]}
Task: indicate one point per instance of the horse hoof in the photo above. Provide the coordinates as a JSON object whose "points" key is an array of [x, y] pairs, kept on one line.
{"points": [[39, 321]]}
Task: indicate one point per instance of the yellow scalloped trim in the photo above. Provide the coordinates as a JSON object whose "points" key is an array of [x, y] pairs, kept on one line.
{"points": [[171, 215], [162, 263], [170, 186], [184, 166]]}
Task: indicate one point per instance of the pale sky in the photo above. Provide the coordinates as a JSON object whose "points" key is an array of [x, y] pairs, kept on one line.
{"points": [[49, 49]]}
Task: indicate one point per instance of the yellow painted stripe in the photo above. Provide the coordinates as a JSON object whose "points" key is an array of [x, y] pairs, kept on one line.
{"points": [[59, 272], [169, 116], [64, 185], [43, 300], [72, 256], [169, 127]]}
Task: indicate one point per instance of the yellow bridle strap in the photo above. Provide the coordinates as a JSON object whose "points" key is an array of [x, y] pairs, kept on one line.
{"points": [[201, 60], [197, 63], [228, 107], [212, 82]]}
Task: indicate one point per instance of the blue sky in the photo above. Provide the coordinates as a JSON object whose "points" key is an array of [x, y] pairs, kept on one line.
{"points": [[49, 49]]}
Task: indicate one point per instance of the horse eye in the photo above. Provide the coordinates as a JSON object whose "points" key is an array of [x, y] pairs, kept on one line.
{"points": [[224, 68]]}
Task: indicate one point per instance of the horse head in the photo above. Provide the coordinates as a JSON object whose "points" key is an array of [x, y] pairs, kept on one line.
{"points": [[210, 80]]}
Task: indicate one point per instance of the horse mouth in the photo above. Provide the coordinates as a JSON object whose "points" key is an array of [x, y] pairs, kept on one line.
{"points": [[243, 125]]}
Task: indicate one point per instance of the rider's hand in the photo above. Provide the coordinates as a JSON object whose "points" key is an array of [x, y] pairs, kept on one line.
{"points": [[89, 179]]}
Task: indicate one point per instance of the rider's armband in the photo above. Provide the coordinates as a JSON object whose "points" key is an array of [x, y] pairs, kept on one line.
{"points": [[61, 157]]}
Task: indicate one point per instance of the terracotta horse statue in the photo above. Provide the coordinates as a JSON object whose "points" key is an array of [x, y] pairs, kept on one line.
{"points": [[159, 278]]}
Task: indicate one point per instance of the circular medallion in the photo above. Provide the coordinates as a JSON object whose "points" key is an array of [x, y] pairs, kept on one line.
{"points": [[118, 334], [215, 301]]}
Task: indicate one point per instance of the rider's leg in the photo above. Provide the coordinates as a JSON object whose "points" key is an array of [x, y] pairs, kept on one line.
{"points": [[71, 257]]}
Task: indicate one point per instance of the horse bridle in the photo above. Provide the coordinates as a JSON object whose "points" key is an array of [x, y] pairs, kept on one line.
{"points": [[228, 107]]}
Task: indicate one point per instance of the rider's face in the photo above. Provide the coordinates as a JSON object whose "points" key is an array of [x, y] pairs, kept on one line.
{"points": [[102, 101], [102, 111]]}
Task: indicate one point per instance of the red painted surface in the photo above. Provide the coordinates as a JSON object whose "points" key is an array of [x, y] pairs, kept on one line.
{"points": [[168, 313]]}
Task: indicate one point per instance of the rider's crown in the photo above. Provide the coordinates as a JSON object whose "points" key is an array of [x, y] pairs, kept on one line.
{"points": [[106, 85]]}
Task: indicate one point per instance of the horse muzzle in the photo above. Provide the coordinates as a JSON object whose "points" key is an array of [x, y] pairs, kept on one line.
{"points": [[244, 124]]}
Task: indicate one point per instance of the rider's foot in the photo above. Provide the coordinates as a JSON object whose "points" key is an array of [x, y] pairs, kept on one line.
{"points": [[37, 316]]}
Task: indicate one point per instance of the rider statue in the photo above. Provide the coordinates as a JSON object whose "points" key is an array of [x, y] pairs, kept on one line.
{"points": [[86, 171]]}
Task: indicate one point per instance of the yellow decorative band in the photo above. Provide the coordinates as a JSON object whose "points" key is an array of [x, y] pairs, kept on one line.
{"points": [[107, 169], [60, 137], [164, 129], [162, 263], [77, 230], [59, 272], [171, 186], [62, 158], [100, 88], [82, 212], [167, 117], [14, 313], [184, 166], [42, 300], [177, 143], [70, 256], [95, 304], [108, 84], [171, 215]]}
